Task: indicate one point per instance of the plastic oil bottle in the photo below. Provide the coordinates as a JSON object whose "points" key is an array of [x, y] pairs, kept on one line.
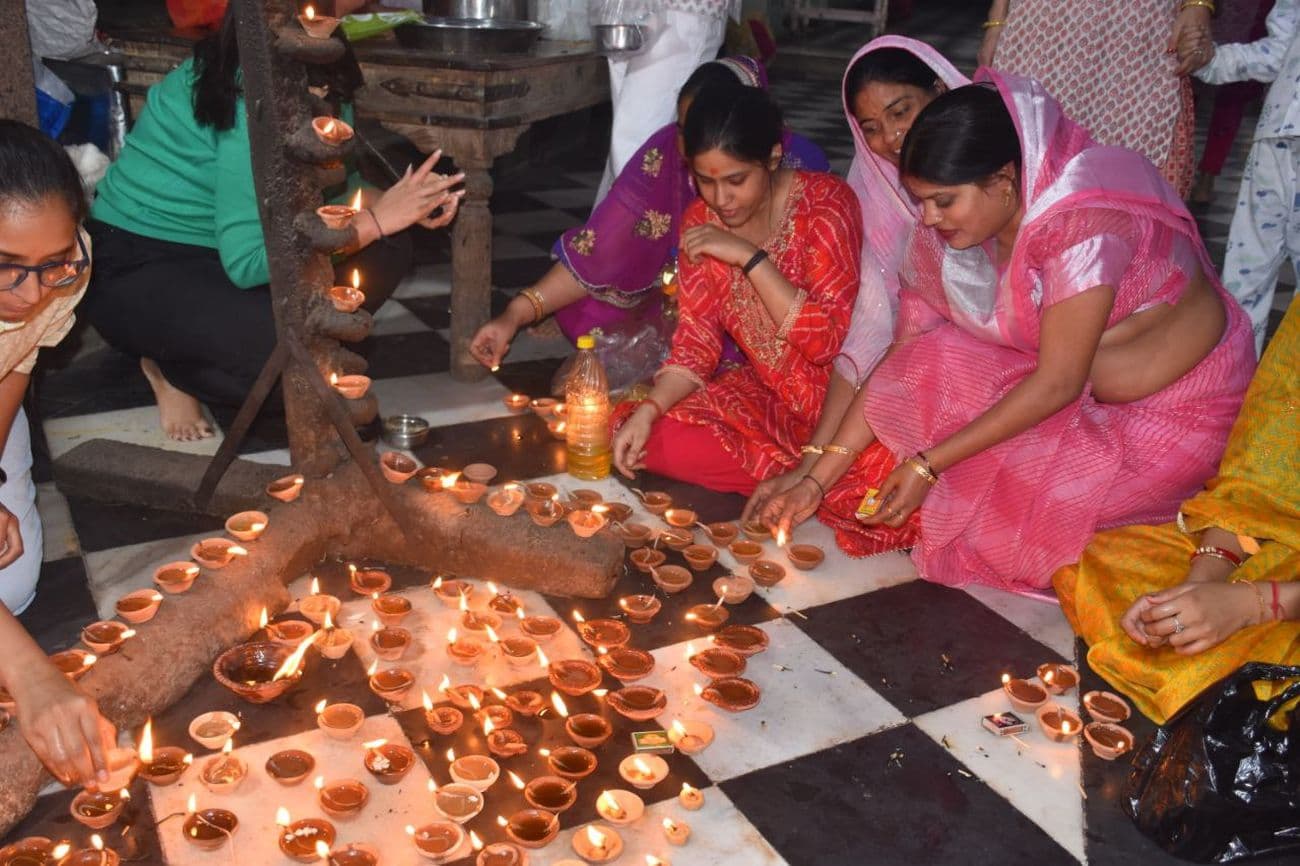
{"points": [[586, 432]]}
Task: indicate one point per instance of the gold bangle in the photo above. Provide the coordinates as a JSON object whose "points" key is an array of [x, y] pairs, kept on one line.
{"points": [[840, 449], [994, 22], [812, 449], [1190, 4], [534, 297], [921, 469], [1259, 597]]}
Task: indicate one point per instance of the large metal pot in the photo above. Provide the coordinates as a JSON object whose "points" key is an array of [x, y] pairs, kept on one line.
{"points": [[470, 35], [500, 10]]}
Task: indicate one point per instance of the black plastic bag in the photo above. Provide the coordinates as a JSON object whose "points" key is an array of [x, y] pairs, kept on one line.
{"points": [[1217, 784]]}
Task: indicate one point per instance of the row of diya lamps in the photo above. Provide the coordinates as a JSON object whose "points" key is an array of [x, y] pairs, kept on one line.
{"points": [[1107, 711]]}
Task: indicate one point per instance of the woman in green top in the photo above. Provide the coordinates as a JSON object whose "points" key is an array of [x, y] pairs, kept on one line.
{"points": [[181, 271]]}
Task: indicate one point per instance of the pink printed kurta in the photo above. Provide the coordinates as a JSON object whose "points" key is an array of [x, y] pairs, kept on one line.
{"points": [[1013, 514]]}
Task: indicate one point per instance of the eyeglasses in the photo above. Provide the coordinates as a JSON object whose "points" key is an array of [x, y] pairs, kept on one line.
{"points": [[55, 275]]}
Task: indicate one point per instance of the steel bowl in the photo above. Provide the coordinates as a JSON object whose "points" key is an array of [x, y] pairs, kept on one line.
{"points": [[618, 38], [405, 431], [500, 10], [469, 35]]}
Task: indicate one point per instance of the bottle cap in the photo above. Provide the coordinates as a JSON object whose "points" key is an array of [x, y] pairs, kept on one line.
{"points": [[586, 341]]}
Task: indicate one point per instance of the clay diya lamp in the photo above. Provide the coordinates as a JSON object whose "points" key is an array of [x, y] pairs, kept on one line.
{"points": [[317, 26], [397, 467], [543, 407], [588, 730], [479, 620], [444, 720], [391, 609], [468, 492], [584, 498], [804, 557], [500, 716], [298, 839], [620, 807], [540, 491], [655, 502], [676, 832], [507, 500], [680, 517], [552, 793], [350, 387], [734, 588], [389, 762], [574, 676], [604, 634], [289, 632], [31, 851], [571, 762], [627, 664], [346, 299], [765, 572], [708, 616], [599, 843], [546, 513], [640, 608], [450, 592], [208, 829], [618, 512], [247, 525], [1106, 707], [721, 533], [540, 628], [700, 557], [1108, 740], [1059, 724], [677, 539], [164, 766], [466, 696], [477, 771], [215, 553], [334, 643], [339, 721], [638, 703], [343, 799], [285, 489], [479, 473], [96, 856], [717, 662], [212, 730], [96, 809], [353, 854], [526, 703], [690, 798], [122, 765], [1025, 695], [368, 581], [438, 841], [139, 606], [516, 403], [747, 640], [733, 694], [290, 766], [557, 427], [745, 552], [106, 636], [647, 559], [634, 535], [73, 663], [458, 802], [390, 643], [672, 578], [1057, 678], [519, 651], [690, 736], [223, 773], [504, 602], [392, 685], [532, 828], [502, 854], [464, 651], [316, 607], [643, 771], [586, 523], [335, 216], [755, 530], [506, 742]]}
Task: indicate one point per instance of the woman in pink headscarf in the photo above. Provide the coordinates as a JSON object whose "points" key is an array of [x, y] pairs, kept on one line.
{"points": [[1066, 359], [886, 85]]}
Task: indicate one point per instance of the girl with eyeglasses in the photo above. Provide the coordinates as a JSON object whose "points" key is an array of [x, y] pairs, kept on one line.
{"points": [[44, 268]]}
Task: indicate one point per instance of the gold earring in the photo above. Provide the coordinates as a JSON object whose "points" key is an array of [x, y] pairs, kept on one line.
{"points": [[1006, 198]]}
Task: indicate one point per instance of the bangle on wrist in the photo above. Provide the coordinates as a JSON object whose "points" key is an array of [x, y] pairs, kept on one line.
{"points": [[840, 449], [1259, 598], [1192, 4], [374, 219], [921, 466], [994, 22], [754, 261], [1218, 553], [654, 404], [813, 449], [820, 489], [534, 298], [1278, 612]]}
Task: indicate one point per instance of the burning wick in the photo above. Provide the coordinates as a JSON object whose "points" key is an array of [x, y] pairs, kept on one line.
{"points": [[611, 808]]}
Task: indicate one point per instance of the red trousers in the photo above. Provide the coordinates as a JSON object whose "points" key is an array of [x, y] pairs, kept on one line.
{"points": [[688, 453]]}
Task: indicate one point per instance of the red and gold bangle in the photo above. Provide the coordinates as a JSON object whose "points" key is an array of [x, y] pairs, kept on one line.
{"points": [[1277, 602], [1221, 553], [659, 410]]}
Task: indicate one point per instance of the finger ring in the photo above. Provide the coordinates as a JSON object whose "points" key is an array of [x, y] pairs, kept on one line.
{"points": [[1178, 626]]}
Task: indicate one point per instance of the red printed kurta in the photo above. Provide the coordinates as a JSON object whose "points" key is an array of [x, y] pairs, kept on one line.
{"points": [[763, 412]]}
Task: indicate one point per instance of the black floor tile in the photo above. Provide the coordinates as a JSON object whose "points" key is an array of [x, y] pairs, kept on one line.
{"points": [[897, 639], [433, 311], [520, 272], [406, 355], [519, 447], [533, 378], [62, 607], [857, 804], [710, 505], [105, 525], [101, 381]]}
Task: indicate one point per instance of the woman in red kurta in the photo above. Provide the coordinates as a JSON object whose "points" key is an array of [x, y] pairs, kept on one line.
{"points": [[770, 258]]}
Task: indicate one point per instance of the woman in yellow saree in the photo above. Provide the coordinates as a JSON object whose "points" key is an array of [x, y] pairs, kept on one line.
{"points": [[1167, 611]]}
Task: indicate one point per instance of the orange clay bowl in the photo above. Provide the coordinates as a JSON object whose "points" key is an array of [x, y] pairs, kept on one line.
{"points": [[627, 664], [747, 640], [717, 662], [734, 694], [647, 558], [638, 703]]}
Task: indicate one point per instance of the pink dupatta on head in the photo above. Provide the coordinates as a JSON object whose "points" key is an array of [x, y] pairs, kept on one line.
{"points": [[888, 214]]}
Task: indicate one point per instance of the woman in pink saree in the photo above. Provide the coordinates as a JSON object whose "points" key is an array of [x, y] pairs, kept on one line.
{"points": [[1065, 359]]}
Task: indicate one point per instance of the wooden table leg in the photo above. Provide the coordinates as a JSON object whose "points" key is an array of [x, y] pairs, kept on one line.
{"points": [[471, 272]]}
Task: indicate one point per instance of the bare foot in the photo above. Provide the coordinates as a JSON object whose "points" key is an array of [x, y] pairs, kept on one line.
{"points": [[181, 415]]}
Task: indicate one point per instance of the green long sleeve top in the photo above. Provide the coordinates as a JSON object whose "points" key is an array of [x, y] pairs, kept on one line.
{"points": [[189, 184]]}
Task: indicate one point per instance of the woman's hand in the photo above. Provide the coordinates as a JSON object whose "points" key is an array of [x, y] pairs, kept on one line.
{"points": [[711, 241], [492, 341], [1191, 39], [63, 726], [902, 493], [10, 536], [787, 510], [1192, 617], [415, 196], [629, 443], [772, 487]]}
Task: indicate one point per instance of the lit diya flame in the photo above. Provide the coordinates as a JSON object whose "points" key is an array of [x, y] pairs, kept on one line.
{"points": [[322, 850], [445, 685], [373, 669], [578, 617], [451, 756], [1006, 678], [263, 620], [1048, 677], [60, 851], [451, 636], [492, 636], [437, 583], [607, 805], [290, 666], [595, 837], [97, 843], [502, 822], [558, 703], [228, 747], [669, 826], [309, 12], [487, 725], [449, 480], [642, 768], [542, 659], [519, 612], [463, 604], [492, 587], [192, 804], [501, 696], [600, 693], [678, 729], [690, 650], [474, 702], [699, 690], [515, 780], [426, 700], [356, 277], [315, 586], [432, 786], [1065, 726], [687, 790], [318, 782], [146, 743], [652, 860], [328, 128], [780, 537], [282, 817], [475, 841]]}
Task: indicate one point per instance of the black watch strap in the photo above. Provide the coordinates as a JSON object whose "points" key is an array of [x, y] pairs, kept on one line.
{"points": [[754, 261]]}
